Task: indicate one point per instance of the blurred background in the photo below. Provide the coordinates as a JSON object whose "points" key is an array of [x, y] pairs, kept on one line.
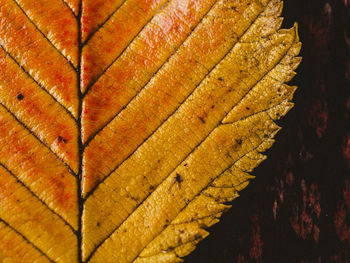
{"points": [[298, 207]]}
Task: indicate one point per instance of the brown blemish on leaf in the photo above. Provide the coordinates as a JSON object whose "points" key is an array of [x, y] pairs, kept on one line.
{"points": [[20, 97], [61, 139], [178, 179]]}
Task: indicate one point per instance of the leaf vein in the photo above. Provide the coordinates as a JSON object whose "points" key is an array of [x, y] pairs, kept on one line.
{"points": [[68, 6], [102, 24], [38, 139], [110, 65], [36, 27], [255, 113], [36, 82], [26, 239], [37, 197]]}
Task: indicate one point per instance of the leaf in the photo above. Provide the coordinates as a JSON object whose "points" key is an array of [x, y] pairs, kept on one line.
{"points": [[126, 126]]}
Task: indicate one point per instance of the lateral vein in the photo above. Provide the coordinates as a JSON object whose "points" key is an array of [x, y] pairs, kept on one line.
{"points": [[90, 86], [36, 82], [32, 22], [26, 239], [38, 139], [37, 197]]}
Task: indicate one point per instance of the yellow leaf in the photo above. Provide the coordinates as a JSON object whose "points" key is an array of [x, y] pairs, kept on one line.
{"points": [[126, 126]]}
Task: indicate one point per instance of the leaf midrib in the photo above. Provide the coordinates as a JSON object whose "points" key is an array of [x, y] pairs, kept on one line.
{"points": [[80, 142]]}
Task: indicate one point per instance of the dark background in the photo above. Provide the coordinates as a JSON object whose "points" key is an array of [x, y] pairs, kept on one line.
{"points": [[298, 207]]}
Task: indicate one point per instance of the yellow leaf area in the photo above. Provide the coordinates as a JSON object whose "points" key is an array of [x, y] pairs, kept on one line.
{"points": [[126, 126]]}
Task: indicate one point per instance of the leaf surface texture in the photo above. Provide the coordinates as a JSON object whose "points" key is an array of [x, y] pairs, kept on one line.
{"points": [[126, 126]]}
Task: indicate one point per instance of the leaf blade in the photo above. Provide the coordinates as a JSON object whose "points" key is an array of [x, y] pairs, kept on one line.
{"points": [[126, 126], [151, 172]]}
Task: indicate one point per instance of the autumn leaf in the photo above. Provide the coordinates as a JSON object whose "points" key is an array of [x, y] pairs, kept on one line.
{"points": [[126, 126]]}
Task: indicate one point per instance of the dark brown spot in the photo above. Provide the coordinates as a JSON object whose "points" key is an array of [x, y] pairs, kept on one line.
{"points": [[185, 164], [98, 224], [201, 119], [247, 108], [20, 97], [239, 141], [178, 178], [221, 79], [133, 198], [61, 139]]}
